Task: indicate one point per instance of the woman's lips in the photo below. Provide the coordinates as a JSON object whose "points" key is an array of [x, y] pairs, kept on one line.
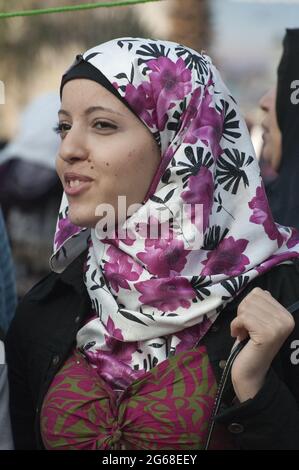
{"points": [[77, 189], [75, 184]]}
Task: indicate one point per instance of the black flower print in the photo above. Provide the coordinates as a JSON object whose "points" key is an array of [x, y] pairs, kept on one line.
{"points": [[231, 125], [230, 171], [151, 51], [96, 307], [234, 285], [120, 76], [150, 362], [200, 284], [90, 56], [214, 236], [175, 124], [159, 200], [196, 162], [129, 42], [220, 207], [129, 316], [194, 61]]}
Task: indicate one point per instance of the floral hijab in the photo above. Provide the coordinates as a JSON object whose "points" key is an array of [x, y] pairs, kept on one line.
{"points": [[151, 296]]}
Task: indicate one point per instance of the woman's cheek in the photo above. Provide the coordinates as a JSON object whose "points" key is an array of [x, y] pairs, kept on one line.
{"points": [[58, 167]]}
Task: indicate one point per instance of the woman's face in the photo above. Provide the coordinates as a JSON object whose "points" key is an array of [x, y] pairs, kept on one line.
{"points": [[271, 135], [105, 151]]}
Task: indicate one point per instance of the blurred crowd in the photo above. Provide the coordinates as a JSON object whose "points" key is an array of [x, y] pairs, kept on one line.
{"points": [[30, 191]]}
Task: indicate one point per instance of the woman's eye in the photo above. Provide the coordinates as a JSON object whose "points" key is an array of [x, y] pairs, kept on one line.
{"points": [[62, 128], [104, 125]]}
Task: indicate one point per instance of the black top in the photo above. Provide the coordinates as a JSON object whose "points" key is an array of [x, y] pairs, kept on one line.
{"points": [[43, 334]]}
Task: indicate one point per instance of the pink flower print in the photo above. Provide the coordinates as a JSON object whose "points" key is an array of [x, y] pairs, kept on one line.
{"points": [[200, 191], [65, 230], [124, 235], [120, 269], [166, 294], [190, 336], [275, 260], [113, 365], [262, 215], [191, 112], [170, 82], [293, 239], [153, 229], [207, 126], [112, 331], [227, 258], [162, 170], [164, 257], [140, 102], [115, 343]]}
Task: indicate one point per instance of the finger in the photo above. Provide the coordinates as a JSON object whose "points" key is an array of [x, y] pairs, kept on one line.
{"points": [[238, 329]]}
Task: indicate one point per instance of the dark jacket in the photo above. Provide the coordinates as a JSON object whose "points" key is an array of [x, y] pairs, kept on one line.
{"points": [[44, 331]]}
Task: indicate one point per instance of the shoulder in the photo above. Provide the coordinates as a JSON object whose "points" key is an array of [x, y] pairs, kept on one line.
{"points": [[282, 281], [31, 307], [48, 309]]}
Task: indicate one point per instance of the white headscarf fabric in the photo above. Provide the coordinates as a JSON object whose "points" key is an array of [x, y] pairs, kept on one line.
{"points": [[146, 292]]}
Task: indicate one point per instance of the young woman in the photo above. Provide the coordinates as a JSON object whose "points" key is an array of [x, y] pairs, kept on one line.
{"points": [[123, 344]]}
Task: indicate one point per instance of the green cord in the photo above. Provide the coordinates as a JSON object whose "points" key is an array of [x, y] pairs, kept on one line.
{"points": [[86, 6]]}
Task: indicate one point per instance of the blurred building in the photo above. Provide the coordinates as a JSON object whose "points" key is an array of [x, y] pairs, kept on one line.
{"points": [[190, 23], [185, 21]]}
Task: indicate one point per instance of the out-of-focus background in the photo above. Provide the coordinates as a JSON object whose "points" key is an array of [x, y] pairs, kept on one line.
{"points": [[244, 38]]}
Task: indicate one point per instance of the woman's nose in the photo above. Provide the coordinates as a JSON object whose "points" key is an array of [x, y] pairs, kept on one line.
{"points": [[264, 102], [268, 100], [73, 148]]}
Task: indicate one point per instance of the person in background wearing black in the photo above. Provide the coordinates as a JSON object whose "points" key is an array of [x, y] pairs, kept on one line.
{"points": [[283, 192]]}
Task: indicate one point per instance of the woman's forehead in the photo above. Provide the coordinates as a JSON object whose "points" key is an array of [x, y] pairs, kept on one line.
{"points": [[84, 94]]}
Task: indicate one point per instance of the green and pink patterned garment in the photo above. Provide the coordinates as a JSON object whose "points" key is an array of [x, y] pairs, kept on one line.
{"points": [[168, 407]]}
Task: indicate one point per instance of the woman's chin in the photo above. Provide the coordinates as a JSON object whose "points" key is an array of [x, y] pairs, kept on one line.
{"points": [[81, 218]]}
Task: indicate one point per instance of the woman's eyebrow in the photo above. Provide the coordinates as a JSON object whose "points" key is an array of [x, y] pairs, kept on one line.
{"points": [[90, 110]]}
